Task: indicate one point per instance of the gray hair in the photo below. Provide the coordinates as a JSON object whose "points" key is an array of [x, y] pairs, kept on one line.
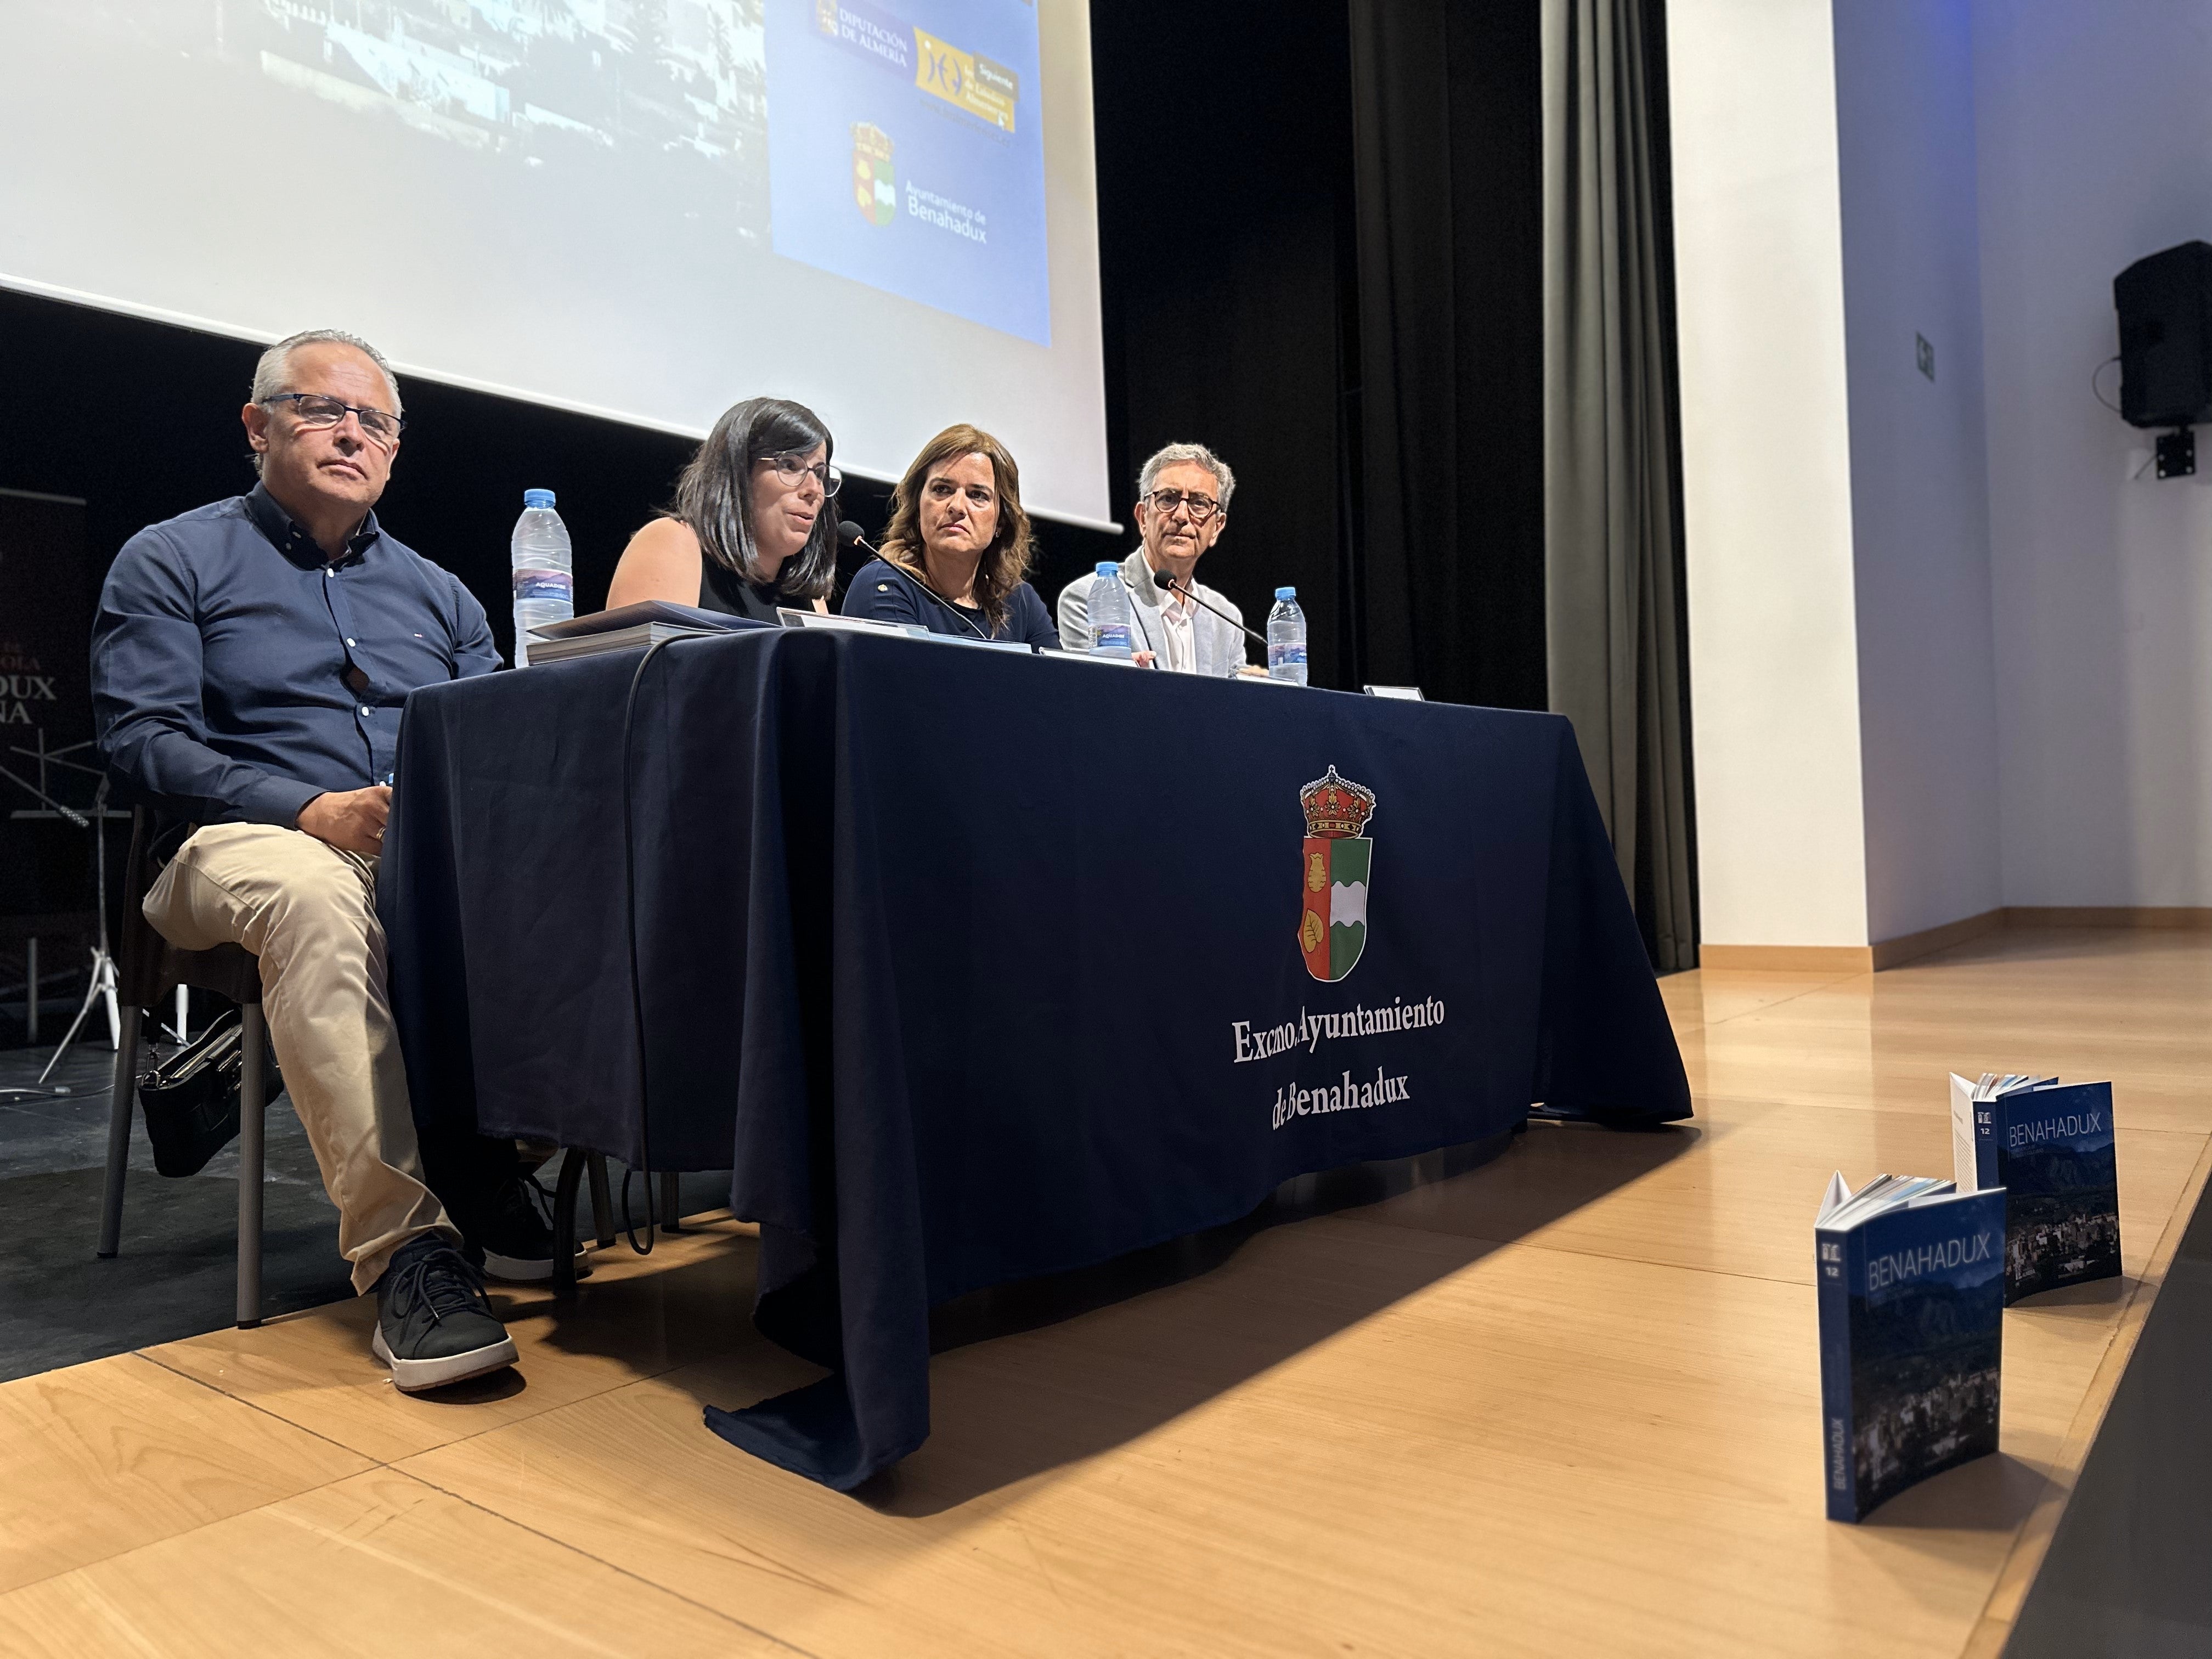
{"points": [[273, 373], [1177, 455]]}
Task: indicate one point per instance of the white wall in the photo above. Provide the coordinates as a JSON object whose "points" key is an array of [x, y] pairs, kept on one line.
{"points": [[1766, 473], [2094, 144], [1951, 644], [1928, 719]]}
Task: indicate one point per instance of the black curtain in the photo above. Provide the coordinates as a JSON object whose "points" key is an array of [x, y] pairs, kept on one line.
{"points": [[1225, 201], [1447, 141], [1320, 248], [1615, 619], [1499, 561]]}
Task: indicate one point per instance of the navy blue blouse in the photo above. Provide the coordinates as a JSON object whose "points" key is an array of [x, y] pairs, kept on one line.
{"points": [[885, 593]]}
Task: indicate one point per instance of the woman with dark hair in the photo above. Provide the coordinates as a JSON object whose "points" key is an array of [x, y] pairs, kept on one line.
{"points": [[751, 527], [957, 548]]}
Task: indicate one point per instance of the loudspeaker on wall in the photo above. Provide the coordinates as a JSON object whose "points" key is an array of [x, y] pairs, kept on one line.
{"points": [[2165, 302]]}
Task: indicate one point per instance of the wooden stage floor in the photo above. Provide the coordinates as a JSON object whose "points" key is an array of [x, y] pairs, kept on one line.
{"points": [[1566, 1402]]}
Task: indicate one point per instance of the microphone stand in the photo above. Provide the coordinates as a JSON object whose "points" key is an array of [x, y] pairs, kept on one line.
{"points": [[1165, 581], [861, 542]]}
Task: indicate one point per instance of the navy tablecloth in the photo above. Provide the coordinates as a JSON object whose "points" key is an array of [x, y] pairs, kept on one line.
{"points": [[976, 966]]}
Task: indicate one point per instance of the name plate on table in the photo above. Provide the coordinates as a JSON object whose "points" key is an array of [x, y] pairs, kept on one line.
{"points": [[908, 630]]}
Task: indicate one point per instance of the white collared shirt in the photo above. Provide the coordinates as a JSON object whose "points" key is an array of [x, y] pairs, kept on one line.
{"points": [[1180, 653]]}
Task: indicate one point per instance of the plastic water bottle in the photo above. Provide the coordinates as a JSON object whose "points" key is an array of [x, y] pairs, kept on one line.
{"points": [[1109, 611], [544, 570], [1287, 638]]}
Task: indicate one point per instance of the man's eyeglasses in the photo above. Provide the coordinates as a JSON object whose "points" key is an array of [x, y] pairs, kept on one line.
{"points": [[1201, 507], [790, 469], [318, 413]]}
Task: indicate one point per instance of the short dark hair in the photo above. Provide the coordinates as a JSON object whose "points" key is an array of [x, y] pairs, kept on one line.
{"points": [[714, 494]]}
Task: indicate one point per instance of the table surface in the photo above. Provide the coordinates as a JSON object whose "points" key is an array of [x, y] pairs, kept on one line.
{"points": [[1360, 1434]]}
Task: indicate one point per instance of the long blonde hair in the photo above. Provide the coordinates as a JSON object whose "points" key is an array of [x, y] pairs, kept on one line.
{"points": [[1005, 562]]}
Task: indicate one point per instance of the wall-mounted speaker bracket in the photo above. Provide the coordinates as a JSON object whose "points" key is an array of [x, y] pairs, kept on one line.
{"points": [[2177, 452]]}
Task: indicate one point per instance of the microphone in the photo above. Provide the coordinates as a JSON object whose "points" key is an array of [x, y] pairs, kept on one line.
{"points": [[1165, 581], [853, 536]]}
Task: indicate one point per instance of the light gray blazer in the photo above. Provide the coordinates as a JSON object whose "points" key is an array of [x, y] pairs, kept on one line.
{"points": [[1218, 649]]}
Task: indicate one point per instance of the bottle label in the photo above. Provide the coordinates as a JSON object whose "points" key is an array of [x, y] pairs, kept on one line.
{"points": [[1111, 638], [1281, 655], [559, 586]]}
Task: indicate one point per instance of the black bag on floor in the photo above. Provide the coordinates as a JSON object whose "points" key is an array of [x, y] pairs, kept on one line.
{"points": [[192, 1099]]}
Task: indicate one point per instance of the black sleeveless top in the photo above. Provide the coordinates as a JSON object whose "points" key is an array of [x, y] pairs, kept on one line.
{"points": [[722, 589]]}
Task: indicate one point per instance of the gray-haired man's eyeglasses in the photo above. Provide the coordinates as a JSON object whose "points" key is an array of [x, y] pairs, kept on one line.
{"points": [[313, 410], [1201, 507]]}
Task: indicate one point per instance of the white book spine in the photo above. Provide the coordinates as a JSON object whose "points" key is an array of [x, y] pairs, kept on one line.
{"points": [[1962, 1132]]}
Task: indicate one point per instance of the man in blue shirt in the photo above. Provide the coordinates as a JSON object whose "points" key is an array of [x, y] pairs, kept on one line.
{"points": [[249, 665]]}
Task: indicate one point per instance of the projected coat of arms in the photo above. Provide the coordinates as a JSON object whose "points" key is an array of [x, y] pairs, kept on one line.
{"points": [[875, 188], [1337, 863]]}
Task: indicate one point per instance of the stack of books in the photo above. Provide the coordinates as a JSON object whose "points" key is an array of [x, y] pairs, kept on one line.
{"points": [[632, 628]]}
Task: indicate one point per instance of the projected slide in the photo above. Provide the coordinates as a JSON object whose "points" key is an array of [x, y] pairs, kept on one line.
{"points": [[905, 152], [538, 81], [648, 209]]}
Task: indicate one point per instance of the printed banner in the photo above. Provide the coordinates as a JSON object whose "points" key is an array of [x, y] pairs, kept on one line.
{"points": [[45, 696]]}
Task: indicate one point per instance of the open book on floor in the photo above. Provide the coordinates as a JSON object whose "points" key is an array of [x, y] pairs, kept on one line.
{"points": [[2050, 1146], [1910, 1273]]}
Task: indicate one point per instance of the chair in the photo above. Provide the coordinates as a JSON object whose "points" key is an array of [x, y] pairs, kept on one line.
{"points": [[148, 967]]}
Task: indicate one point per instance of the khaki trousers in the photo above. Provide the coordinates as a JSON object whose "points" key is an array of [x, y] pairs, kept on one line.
{"points": [[308, 911]]}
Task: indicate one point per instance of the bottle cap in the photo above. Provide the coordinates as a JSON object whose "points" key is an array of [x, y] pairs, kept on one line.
{"points": [[1104, 567], [536, 498], [1286, 592]]}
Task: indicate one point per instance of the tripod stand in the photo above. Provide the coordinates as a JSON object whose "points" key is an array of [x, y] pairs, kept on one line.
{"points": [[102, 985], [96, 819]]}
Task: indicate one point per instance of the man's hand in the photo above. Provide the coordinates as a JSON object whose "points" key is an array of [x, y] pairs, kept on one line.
{"points": [[351, 820]]}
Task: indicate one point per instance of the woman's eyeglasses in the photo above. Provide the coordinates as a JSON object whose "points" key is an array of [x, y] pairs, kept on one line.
{"points": [[790, 469]]}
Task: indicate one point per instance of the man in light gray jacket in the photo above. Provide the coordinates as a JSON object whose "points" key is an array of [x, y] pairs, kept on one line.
{"points": [[1183, 502]]}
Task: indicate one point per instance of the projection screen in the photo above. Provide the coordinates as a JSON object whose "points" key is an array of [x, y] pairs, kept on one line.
{"points": [[641, 209]]}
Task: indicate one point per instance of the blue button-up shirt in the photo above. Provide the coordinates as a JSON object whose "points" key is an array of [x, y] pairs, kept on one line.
{"points": [[237, 673]]}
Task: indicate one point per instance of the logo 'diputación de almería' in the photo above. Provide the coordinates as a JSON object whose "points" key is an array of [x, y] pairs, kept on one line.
{"points": [[1337, 861]]}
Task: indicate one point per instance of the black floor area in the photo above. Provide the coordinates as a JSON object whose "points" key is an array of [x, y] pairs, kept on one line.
{"points": [[177, 1272], [2130, 1572], [176, 1275]]}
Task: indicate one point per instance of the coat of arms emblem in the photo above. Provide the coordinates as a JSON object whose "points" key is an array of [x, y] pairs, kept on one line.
{"points": [[1337, 863], [875, 187]]}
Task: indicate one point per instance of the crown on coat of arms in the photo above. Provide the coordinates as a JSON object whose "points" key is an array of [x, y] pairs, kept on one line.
{"points": [[1336, 808]]}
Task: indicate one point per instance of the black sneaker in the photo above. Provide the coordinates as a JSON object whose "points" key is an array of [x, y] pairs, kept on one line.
{"points": [[516, 1231], [433, 1324]]}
